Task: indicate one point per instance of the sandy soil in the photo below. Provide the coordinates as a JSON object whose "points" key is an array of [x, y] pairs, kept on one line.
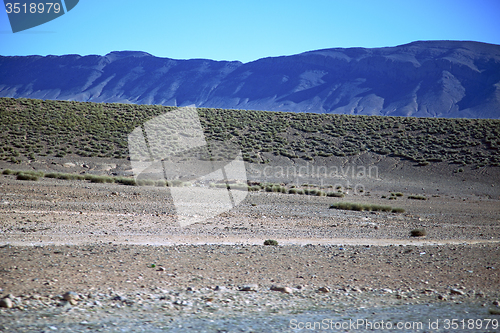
{"points": [[102, 240]]}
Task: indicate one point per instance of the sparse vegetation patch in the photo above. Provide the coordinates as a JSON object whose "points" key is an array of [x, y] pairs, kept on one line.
{"points": [[365, 207], [418, 233], [31, 128], [417, 197]]}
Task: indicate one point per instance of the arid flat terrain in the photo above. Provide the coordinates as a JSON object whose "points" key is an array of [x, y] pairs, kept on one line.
{"points": [[121, 250]]}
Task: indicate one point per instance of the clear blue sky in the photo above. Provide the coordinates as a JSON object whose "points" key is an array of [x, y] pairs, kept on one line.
{"points": [[248, 30]]}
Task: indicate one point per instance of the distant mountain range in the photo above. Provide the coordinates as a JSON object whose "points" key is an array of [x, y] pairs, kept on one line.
{"points": [[422, 79]]}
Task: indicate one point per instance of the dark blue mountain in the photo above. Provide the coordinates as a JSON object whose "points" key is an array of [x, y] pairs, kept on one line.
{"points": [[422, 79]]}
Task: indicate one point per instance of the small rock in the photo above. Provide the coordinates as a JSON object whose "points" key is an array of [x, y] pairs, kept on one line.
{"points": [[162, 269], [114, 193], [286, 290], [71, 296], [249, 287], [494, 311], [386, 290], [324, 289], [183, 303], [5, 303], [456, 292], [496, 303], [442, 297], [220, 288]]}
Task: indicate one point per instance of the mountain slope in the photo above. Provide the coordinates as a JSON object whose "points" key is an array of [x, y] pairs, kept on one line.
{"points": [[422, 79]]}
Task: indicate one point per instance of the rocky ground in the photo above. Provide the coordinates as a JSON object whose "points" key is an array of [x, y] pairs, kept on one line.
{"points": [[130, 267]]}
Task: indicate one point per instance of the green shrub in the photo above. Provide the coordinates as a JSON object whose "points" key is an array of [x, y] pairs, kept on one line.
{"points": [[335, 194], [271, 242], [180, 183], [145, 182], [418, 233], [67, 176], [24, 176], [296, 191], [126, 181], [417, 197], [365, 207], [7, 172], [239, 187], [311, 191]]}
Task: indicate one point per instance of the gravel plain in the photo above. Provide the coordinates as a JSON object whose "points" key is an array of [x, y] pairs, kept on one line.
{"points": [[132, 268]]}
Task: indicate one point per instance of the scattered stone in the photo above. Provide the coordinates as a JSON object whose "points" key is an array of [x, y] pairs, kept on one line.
{"points": [[220, 288], [456, 292], [442, 297], [282, 289], [494, 311], [249, 287], [386, 290], [183, 303], [496, 303], [71, 296], [161, 269], [114, 193], [324, 289], [5, 303]]}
